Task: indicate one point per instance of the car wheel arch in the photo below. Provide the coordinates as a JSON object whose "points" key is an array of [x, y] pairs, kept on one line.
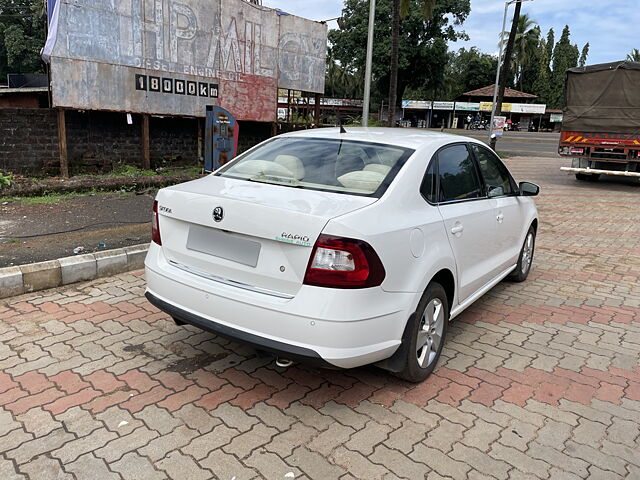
{"points": [[445, 278]]}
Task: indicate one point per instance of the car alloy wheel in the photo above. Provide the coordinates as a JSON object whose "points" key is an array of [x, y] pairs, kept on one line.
{"points": [[525, 260], [430, 333], [424, 335], [527, 253]]}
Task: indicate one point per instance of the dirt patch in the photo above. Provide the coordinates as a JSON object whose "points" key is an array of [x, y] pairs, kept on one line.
{"points": [[46, 231]]}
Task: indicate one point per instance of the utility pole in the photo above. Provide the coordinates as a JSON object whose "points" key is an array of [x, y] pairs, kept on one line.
{"points": [[501, 77], [367, 71]]}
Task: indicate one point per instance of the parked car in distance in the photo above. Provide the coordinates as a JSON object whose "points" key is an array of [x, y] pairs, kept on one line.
{"points": [[342, 249]]}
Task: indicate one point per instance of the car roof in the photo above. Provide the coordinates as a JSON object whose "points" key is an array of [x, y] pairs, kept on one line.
{"points": [[402, 137]]}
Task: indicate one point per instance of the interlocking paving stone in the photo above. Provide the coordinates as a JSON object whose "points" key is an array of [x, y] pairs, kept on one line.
{"points": [[537, 380]]}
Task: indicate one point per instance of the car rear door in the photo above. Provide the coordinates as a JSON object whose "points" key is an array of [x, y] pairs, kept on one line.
{"points": [[469, 218]]}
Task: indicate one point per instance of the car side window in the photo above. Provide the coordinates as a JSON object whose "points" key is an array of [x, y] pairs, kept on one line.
{"points": [[457, 174], [495, 174], [428, 187]]}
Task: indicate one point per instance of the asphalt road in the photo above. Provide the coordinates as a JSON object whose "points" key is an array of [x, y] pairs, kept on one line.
{"points": [[518, 143]]}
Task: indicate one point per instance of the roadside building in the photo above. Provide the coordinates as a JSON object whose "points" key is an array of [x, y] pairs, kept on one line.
{"points": [[517, 106], [476, 105]]}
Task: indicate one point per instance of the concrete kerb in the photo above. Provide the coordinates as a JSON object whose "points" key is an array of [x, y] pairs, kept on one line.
{"points": [[55, 273]]}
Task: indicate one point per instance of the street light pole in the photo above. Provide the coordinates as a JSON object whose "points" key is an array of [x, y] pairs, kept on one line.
{"points": [[367, 72]]}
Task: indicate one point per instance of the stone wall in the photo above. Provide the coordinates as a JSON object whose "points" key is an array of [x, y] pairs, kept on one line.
{"points": [[28, 139], [99, 141]]}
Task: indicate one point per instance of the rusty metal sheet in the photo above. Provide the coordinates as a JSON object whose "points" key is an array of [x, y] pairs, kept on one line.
{"points": [[171, 57]]}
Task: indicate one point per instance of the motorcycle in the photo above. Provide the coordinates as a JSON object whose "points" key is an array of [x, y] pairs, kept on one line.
{"points": [[479, 125]]}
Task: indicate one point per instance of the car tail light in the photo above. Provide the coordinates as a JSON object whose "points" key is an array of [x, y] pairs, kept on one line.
{"points": [[155, 225], [338, 262], [577, 151]]}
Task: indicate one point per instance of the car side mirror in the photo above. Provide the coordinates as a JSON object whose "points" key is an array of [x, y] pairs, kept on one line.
{"points": [[528, 189]]}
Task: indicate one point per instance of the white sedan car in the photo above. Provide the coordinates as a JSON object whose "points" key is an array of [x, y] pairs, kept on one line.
{"points": [[342, 248]]}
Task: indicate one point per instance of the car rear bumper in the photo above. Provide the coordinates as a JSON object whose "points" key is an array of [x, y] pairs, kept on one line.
{"points": [[291, 352], [321, 326]]}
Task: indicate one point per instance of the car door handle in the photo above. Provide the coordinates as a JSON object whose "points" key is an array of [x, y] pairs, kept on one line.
{"points": [[500, 217], [457, 229]]}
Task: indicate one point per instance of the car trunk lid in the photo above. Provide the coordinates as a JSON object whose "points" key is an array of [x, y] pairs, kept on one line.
{"points": [[253, 235]]}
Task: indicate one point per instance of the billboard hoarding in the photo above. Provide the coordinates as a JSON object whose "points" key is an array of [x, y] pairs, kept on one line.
{"points": [[417, 104], [468, 106], [498, 126], [443, 105], [145, 56]]}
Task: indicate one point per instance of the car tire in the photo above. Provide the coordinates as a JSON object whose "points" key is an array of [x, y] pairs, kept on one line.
{"points": [[525, 259], [588, 177], [427, 326]]}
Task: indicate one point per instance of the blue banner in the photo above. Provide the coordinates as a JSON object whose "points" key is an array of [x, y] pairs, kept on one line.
{"points": [[50, 5]]}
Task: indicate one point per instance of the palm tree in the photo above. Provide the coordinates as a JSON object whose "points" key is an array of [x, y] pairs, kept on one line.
{"points": [[524, 46], [634, 56], [400, 10]]}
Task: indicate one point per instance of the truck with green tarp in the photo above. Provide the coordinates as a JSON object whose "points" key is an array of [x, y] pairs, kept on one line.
{"points": [[601, 120]]}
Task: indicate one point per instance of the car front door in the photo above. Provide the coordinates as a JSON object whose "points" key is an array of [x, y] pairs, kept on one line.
{"points": [[469, 218], [509, 214]]}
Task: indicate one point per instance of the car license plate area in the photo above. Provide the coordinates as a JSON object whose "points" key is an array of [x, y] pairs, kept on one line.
{"points": [[225, 245]]}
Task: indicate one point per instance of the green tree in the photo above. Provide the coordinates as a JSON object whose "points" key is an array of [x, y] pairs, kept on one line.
{"points": [[551, 41], [467, 70], [583, 56], [525, 51], [341, 81], [422, 52], [542, 86], [565, 56], [634, 56], [22, 36]]}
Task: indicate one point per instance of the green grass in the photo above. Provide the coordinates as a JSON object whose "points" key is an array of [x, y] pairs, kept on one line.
{"points": [[47, 199], [131, 171], [13, 240], [53, 198]]}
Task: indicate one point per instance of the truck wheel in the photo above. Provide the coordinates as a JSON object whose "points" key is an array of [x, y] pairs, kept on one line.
{"points": [[425, 334], [588, 177]]}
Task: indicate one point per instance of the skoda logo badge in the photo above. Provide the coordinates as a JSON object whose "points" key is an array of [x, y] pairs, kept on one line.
{"points": [[218, 214]]}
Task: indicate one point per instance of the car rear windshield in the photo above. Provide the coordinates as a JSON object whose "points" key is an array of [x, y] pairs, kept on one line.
{"points": [[341, 166]]}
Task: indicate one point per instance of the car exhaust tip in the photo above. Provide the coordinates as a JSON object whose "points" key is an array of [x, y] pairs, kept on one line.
{"points": [[283, 362]]}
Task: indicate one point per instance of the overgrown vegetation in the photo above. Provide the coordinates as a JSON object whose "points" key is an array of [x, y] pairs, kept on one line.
{"points": [[5, 179], [131, 171], [46, 199]]}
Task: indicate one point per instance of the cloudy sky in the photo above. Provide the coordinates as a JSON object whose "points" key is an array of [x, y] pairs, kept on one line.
{"points": [[610, 26]]}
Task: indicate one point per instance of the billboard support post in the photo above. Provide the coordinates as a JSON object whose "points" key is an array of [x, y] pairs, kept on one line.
{"points": [[316, 111], [62, 144], [146, 155], [200, 138]]}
